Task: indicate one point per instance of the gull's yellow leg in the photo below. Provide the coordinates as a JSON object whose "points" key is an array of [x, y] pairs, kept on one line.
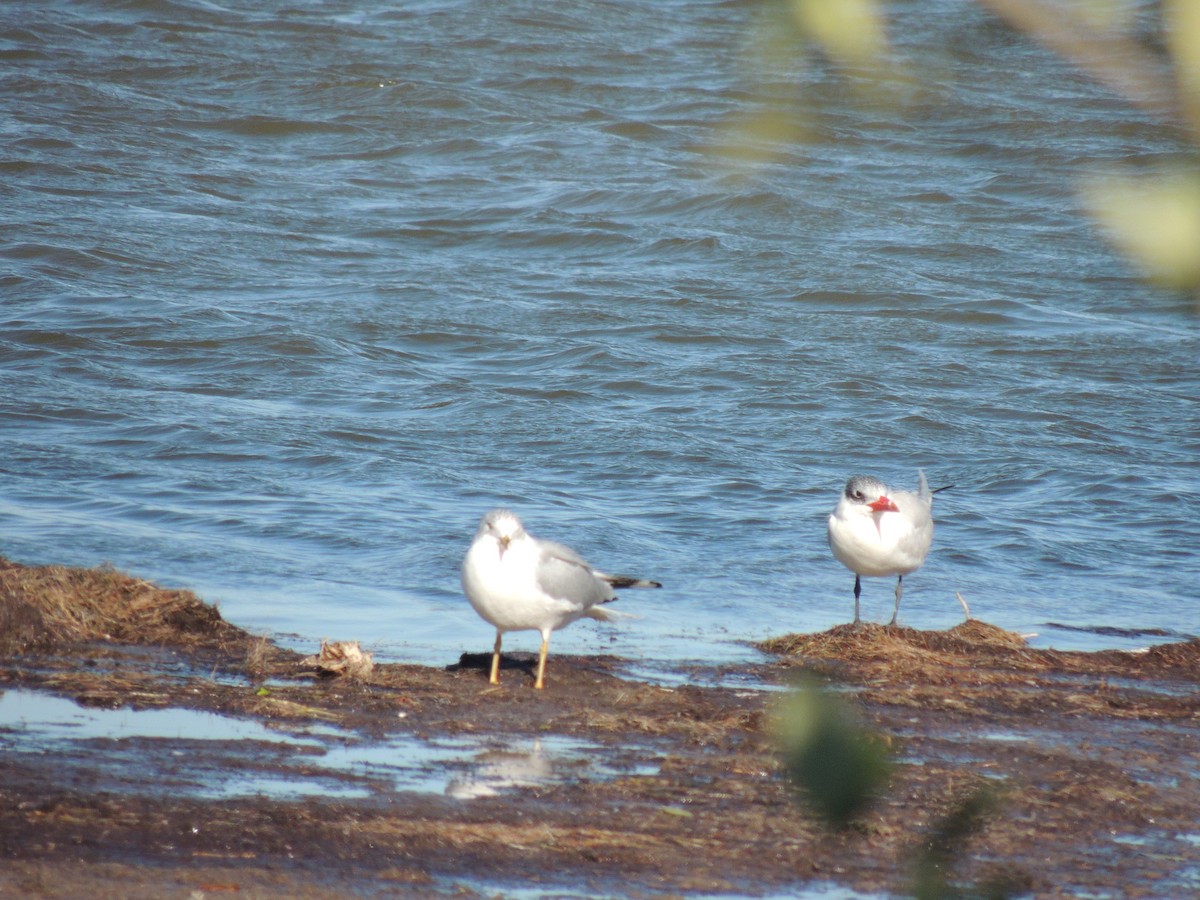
{"points": [[495, 678], [541, 673]]}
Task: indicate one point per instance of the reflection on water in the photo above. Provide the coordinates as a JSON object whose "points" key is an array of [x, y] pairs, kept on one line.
{"points": [[539, 762]]}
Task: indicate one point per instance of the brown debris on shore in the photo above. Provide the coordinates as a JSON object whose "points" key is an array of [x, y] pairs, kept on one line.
{"points": [[344, 658], [977, 667], [47, 607], [1093, 754]]}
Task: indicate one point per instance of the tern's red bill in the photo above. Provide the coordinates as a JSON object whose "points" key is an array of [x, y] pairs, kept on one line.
{"points": [[884, 504]]}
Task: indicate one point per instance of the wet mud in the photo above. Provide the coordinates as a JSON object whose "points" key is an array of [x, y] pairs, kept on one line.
{"points": [[599, 785]]}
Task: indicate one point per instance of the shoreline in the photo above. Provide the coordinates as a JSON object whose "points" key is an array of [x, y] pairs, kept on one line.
{"points": [[631, 788]]}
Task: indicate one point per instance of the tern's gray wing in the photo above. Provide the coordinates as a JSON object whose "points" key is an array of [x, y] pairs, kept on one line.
{"points": [[916, 509], [563, 574]]}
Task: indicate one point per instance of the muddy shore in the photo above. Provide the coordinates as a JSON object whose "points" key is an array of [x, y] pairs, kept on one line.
{"points": [[661, 790]]}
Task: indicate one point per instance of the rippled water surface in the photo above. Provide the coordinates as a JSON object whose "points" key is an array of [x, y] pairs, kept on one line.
{"points": [[292, 293]]}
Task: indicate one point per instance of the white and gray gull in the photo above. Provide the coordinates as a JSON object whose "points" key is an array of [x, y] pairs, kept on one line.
{"points": [[517, 583]]}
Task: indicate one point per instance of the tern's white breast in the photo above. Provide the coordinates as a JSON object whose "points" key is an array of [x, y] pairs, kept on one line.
{"points": [[887, 544]]}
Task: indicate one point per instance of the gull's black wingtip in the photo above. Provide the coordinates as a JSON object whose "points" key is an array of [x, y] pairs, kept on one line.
{"points": [[629, 581]]}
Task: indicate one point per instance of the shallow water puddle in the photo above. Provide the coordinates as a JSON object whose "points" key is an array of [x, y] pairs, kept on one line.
{"points": [[29, 720], [172, 750], [209, 755]]}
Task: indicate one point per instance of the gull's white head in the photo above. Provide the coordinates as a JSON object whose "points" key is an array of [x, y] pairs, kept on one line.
{"points": [[501, 526], [870, 495]]}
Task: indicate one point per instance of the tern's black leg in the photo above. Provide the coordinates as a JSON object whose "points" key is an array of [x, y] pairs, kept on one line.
{"points": [[899, 588], [857, 591]]}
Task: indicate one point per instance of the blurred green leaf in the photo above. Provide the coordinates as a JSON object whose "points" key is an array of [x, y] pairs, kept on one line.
{"points": [[851, 32], [838, 764], [1182, 19], [947, 844], [1155, 220]]}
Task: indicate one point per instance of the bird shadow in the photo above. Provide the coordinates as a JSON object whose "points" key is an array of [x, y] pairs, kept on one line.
{"points": [[482, 662]]}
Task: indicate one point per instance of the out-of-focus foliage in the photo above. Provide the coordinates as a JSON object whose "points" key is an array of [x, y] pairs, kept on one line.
{"points": [[1182, 18], [851, 32], [791, 35], [839, 765], [947, 844], [1152, 219]]}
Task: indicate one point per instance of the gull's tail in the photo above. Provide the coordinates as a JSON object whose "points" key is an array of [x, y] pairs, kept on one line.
{"points": [[604, 614]]}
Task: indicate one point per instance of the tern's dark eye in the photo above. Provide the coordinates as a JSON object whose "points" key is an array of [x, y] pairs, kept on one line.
{"points": [[858, 495]]}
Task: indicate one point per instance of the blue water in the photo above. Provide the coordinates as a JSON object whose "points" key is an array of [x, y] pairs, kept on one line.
{"points": [[292, 294]]}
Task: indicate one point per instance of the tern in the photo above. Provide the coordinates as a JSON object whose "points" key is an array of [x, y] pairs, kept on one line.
{"points": [[517, 582], [874, 531]]}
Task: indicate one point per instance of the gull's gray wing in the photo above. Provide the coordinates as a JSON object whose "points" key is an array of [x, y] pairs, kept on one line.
{"points": [[563, 574]]}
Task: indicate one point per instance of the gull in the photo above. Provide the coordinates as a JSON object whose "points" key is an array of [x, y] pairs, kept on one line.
{"points": [[874, 531], [518, 583]]}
